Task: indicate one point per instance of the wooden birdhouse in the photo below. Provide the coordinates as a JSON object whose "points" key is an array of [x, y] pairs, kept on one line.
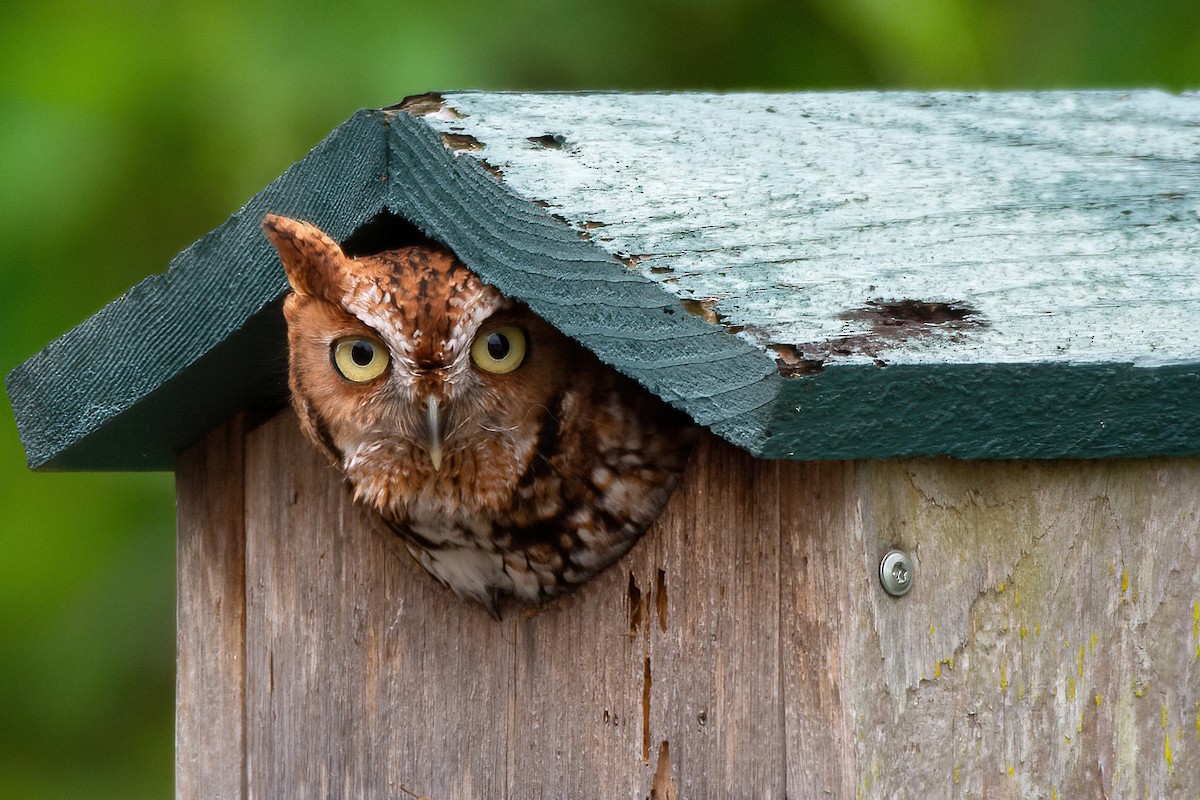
{"points": [[941, 537]]}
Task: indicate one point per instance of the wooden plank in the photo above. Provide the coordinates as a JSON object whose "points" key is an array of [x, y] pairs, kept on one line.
{"points": [[211, 627], [818, 566], [364, 675], [576, 717], [661, 678], [1050, 646], [712, 630], [1034, 218], [988, 411], [968, 242], [178, 354]]}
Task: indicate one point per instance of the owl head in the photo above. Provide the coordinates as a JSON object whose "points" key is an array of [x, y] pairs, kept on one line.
{"points": [[420, 380], [507, 456]]}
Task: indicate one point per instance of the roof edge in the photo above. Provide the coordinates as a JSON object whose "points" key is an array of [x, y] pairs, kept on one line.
{"points": [[987, 411], [65, 396], [209, 338]]}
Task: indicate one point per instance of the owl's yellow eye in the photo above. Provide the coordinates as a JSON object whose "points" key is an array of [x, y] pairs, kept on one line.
{"points": [[499, 350], [358, 359]]}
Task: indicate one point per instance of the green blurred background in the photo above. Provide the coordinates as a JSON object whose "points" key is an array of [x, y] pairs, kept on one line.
{"points": [[129, 129]]}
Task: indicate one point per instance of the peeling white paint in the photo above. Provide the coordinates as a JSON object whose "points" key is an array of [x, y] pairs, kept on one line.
{"points": [[1069, 221]]}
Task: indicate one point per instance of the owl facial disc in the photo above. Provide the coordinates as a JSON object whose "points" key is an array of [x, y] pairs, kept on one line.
{"points": [[510, 460]]}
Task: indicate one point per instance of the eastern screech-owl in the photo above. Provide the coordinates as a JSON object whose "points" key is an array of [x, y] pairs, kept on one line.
{"points": [[510, 460]]}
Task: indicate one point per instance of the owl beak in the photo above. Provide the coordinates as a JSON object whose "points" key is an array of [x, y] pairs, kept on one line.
{"points": [[433, 427]]}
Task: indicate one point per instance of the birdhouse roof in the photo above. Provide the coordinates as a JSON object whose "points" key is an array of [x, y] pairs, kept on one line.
{"points": [[814, 276]]}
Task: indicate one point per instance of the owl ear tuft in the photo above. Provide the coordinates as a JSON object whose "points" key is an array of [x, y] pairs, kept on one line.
{"points": [[314, 263]]}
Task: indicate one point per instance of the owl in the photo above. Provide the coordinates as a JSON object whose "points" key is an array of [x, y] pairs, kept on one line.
{"points": [[510, 460]]}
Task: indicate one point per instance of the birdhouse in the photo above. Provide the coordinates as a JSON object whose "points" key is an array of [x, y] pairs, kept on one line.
{"points": [[940, 535]]}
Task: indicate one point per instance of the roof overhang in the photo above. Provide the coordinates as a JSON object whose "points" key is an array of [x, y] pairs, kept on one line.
{"points": [[838, 275]]}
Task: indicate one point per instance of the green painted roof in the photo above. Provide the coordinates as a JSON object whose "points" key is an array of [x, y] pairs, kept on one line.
{"points": [[830, 275]]}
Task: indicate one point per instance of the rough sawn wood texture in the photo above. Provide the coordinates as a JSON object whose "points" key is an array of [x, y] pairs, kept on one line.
{"points": [[1052, 226], [985, 275], [210, 724], [1050, 646], [810, 275]]}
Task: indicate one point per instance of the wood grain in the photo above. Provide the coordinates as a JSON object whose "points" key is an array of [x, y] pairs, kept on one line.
{"points": [[744, 649], [810, 275], [1031, 217], [1000, 254], [210, 740], [819, 573], [179, 353], [1050, 647], [364, 675], [713, 629]]}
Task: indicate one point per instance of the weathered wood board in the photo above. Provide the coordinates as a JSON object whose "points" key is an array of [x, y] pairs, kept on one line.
{"points": [[810, 275], [210, 741], [1050, 646], [1049, 226]]}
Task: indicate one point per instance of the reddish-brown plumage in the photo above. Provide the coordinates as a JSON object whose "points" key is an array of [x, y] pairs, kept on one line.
{"points": [[524, 482]]}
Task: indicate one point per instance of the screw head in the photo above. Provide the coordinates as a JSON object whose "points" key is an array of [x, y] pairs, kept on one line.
{"points": [[896, 573]]}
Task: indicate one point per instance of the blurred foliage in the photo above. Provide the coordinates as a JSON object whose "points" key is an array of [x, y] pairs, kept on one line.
{"points": [[129, 128]]}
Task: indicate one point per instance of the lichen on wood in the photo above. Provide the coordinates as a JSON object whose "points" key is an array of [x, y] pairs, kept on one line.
{"points": [[1050, 645]]}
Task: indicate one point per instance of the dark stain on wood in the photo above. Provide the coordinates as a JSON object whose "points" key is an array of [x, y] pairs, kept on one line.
{"points": [[661, 786], [466, 143], [705, 309], [793, 362], [585, 230], [549, 141], [462, 142], [637, 606], [422, 105], [660, 599], [904, 318], [647, 682], [492, 168], [889, 322]]}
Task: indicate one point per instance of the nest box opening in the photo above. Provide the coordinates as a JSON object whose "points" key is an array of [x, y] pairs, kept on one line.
{"points": [[385, 231]]}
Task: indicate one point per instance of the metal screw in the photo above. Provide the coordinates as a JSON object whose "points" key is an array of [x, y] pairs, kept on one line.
{"points": [[896, 573]]}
